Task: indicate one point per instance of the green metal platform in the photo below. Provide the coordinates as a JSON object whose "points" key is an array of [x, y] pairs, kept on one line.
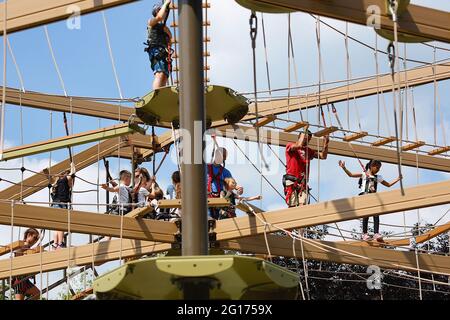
{"points": [[229, 277], [162, 105]]}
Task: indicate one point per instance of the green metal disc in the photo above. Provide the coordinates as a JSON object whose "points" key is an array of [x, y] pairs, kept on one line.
{"points": [[230, 277], [162, 105], [262, 7]]}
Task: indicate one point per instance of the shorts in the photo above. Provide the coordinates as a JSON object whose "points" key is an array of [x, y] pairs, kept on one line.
{"points": [[60, 205], [297, 197], [20, 285], [158, 63]]}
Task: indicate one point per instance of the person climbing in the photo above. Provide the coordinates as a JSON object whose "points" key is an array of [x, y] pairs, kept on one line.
{"points": [[122, 202], [61, 198], [21, 284], [298, 158], [140, 190], [158, 44], [368, 183], [216, 175]]}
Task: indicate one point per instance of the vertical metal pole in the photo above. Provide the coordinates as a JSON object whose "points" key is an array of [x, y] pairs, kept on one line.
{"points": [[192, 120], [192, 123]]}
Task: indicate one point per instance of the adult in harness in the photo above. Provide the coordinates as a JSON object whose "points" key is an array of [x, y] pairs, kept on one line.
{"points": [[159, 44], [298, 158], [217, 173]]}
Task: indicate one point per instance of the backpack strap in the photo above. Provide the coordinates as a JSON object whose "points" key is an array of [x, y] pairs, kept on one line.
{"points": [[217, 178]]}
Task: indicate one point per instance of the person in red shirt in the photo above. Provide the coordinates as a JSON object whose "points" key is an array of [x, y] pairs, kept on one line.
{"points": [[298, 158]]}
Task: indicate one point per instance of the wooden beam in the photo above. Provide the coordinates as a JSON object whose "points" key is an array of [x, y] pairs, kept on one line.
{"points": [[176, 203], [87, 222], [336, 210], [139, 212], [97, 253], [296, 126], [416, 20], [7, 248], [416, 76], [383, 141], [341, 253], [264, 120], [65, 104], [326, 131], [69, 141], [82, 160], [25, 14], [355, 136], [83, 294], [338, 148], [413, 145], [405, 242], [439, 151]]}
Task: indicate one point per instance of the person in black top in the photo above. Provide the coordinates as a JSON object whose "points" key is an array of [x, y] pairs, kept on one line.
{"points": [[159, 40], [61, 196]]}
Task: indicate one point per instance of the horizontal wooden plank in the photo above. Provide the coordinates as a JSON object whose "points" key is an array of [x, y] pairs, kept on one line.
{"points": [[86, 222], [176, 203], [341, 253], [96, 253], [25, 14], [69, 141], [336, 210], [14, 246], [355, 136], [338, 148], [416, 20]]}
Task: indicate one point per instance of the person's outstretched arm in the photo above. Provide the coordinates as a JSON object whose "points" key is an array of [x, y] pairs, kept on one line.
{"points": [[350, 174], [387, 184], [160, 16], [323, 155]]}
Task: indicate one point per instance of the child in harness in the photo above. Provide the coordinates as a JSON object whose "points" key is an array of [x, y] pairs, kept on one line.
{"points": [[368, 183], [158, 44]]}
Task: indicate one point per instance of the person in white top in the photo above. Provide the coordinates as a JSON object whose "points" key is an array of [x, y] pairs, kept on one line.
{"points": [[142, 178], [368, 183], [123, 190]]}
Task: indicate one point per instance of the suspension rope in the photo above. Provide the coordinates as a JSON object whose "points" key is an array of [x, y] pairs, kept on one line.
{"points": [[2, 112], [13, 58], [253, 21], [111, 56], [394, 64]]}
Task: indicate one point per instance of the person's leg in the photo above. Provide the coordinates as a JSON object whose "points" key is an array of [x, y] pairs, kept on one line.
{"points": [[365, 225], [160, 80], [34, 293], [376, 224]]}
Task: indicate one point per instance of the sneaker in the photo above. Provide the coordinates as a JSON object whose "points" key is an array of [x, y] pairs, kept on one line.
{"points": [[378, 237], [365, 237]]}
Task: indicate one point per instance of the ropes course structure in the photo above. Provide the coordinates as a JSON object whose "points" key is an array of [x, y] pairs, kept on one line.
{"points": [[272, 117]]}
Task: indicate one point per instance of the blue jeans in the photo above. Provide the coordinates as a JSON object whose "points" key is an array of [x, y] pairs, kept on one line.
{"points": [[158, 60]]}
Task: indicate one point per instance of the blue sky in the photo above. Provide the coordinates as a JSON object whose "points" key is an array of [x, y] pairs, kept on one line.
{"points": [[85, 65]]}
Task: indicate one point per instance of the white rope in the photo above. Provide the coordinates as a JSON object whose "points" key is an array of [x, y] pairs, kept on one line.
{"points": [[418, 274], [50, 47], [2, 112], [19, 74], [111, 56], [305, 269], [296, 265], [11, 249]]}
